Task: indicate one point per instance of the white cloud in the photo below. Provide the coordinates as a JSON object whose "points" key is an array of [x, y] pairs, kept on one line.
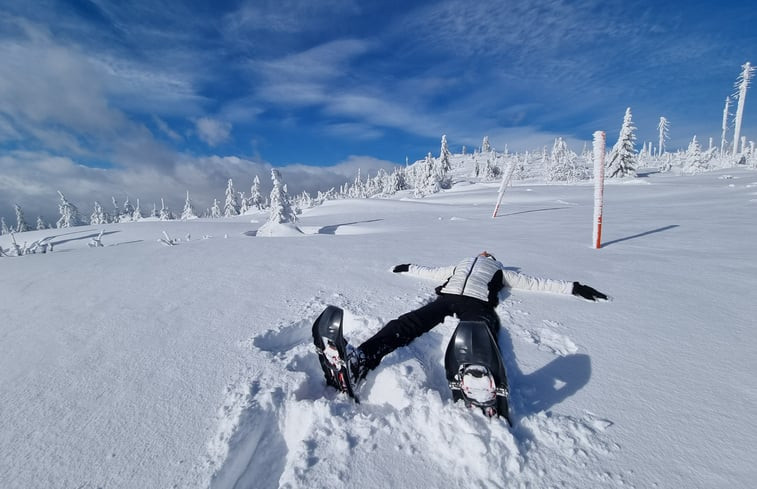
{"points": [[212, 131]]}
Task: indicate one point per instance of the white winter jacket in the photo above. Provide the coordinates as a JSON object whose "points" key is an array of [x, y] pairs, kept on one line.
{"points": [[483, 277]]}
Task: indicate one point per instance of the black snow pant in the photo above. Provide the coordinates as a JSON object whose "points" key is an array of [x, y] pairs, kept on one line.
{"points": [[401, 331]]}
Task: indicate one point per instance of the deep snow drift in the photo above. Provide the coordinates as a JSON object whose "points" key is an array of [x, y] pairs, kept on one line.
{"points": [[142, 365]]}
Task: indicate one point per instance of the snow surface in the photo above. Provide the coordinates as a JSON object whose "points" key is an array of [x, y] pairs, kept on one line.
{"points": [[140, 365]]}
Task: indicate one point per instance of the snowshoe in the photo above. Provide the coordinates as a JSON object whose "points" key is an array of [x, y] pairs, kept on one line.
{"points": [[332, 350], [474, 370]]}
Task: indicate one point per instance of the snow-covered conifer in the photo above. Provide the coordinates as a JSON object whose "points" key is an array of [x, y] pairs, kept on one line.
{"points": [[622, 159], [154, 212], [136, 215], [4, 226], [256, 199], [231, 207], [695, 162], [281, 209], [21, 225], [215, 211], [116, 210], [41, 224], [188, 212], [427, 181], [98, 215], [742, 84], [244, 203], [69, 214], [165, 212], [444, 155], [485, 146], [662, 127], [128, 212], [563, 164]]}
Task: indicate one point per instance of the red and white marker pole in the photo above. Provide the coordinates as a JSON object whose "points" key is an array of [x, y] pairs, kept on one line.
{"points": [[599, 185]]}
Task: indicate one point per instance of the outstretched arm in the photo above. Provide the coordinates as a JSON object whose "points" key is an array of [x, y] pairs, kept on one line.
{"points": [[439, 274], [517, 280], [520, 281]]}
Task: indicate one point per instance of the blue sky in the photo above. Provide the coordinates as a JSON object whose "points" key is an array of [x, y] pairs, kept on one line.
{"points": [[151, 97]]}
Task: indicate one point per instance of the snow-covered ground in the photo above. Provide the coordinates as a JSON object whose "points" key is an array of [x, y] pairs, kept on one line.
{"points": [[139, 365]]}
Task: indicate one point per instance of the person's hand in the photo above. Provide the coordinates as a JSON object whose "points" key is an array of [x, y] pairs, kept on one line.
{"points": [[588, 293], [401, 268]]}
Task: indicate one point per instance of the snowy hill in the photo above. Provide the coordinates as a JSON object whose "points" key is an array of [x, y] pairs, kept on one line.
{"points": [[138, 365]]}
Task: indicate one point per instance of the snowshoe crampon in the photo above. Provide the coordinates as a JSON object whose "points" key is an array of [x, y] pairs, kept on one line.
{"points": [[332, 349], [475, 371]]}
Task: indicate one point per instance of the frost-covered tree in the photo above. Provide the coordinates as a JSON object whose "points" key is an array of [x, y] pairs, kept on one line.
{"points": [[98, 215], [563, 164], [188, 212], [41, 224], [165, 212], [136, 215], [116, 210], [742, 84], [485, 146], [695, 161], [256, 198], [128, 212], [215, 211], [622, 159], [281, 209], [21, 225], [244, 204], [723, 140], [4, 226], [69, 214], [231, 207], [427, 182], [154, 212], [662, 127], [444, 155]]}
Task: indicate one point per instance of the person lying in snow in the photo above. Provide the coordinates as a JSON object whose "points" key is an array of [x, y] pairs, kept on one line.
{"points": [[470, 290]]}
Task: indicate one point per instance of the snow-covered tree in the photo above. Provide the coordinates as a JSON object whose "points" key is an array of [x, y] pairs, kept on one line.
{"points": [[444, 155], [281, 209], [742, 84], [256, 199], [41, 224], [427, 181], [69, 214], [695, 161], [98, 215], [723, 140], [231, 207], [165, 212], [563, 164], [485, 146], [21, 225], [128, 212], [622, 159], [215, 211], [116, 210], [136, 215], [244, 204], [188, 212], [4, 226], [662, 127], [154, 213]]}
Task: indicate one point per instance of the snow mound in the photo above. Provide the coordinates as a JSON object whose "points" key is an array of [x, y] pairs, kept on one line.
{"points": [[275, 229]]}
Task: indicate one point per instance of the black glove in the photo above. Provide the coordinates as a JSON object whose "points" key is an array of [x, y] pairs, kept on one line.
{"points": [[588, 293], [401, 268]]}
